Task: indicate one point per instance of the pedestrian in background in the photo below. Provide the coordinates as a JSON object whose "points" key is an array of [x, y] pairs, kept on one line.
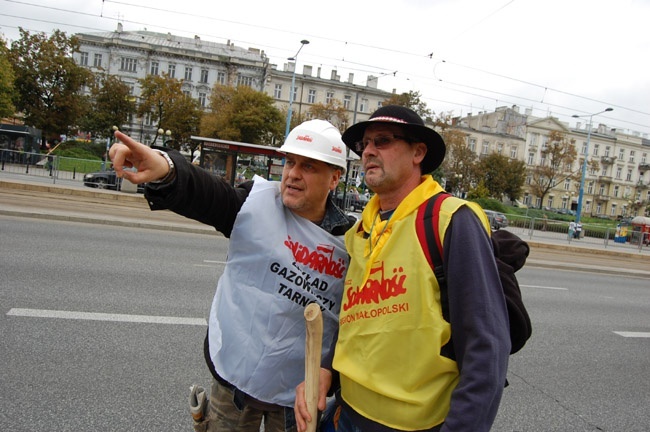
{"points": [[400, 365], [286, 250]]}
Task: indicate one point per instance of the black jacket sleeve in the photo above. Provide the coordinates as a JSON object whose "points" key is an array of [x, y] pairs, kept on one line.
{"points": [[197, 194]]}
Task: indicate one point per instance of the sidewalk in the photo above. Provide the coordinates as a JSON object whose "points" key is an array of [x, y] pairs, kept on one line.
{"points": [[24, 196]]}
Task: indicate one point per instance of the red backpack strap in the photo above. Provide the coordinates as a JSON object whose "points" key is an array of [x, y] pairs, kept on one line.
{"points": [[426, 226]]}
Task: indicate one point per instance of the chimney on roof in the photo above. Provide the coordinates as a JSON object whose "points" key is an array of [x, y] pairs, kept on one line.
{"points": [[120, 28], [197, 41]]}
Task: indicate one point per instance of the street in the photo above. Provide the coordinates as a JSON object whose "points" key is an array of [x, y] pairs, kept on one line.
{"points": [[102, 329]]}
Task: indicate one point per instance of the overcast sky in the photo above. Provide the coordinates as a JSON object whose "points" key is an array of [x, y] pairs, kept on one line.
{"points": [[556, 57]]}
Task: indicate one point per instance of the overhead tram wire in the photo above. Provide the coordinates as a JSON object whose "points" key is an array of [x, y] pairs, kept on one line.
{"points": [[335, 66]]}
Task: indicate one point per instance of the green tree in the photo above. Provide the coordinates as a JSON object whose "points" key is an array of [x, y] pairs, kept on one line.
{"points": [[109, 104], [502, 175], [412, 100], [169, 108], [7, 92], [459, 166], [555, 166], [334, 112], [48, 82], [243, 114]]}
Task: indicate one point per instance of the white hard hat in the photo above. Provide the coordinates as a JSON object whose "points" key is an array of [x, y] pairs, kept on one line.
{"points": [[316, 139]]}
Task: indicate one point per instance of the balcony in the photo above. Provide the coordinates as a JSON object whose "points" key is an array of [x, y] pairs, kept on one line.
{"points": [[607, 160], [644, 167], [602, 198], [641, 186], [605, 179]]}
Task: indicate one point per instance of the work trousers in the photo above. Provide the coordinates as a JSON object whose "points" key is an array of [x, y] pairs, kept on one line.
{"points": [[227, 412]]}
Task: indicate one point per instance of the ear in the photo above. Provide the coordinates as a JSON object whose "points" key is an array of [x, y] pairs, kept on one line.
{"points": [[336, 177], [420, 151]]}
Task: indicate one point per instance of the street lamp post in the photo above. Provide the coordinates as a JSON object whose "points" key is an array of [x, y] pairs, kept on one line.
{"points": [[164, 133], [109, 140], [584, 162], [293, 85]]}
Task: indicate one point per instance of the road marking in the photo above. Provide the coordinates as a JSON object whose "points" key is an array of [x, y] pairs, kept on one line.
{"points": [[633, 334], [544, 287], [214, 262], [94, 316]]}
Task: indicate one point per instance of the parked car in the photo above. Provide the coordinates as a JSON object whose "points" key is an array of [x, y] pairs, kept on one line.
{"points": [[353, 200], [497, 220], [106, 180]]}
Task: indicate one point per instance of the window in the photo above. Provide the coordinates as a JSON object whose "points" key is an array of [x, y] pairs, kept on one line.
{"points": [[631, 156], [97, 62], [499, 148], [629, 175], [347, 99], [613, 212], [364, 105], [83, 59], [595, 152], [607, 150], [533, 138], [311, 96], [486, 147], [584, 148], [567, 184], [329, 97], [204, 76], [616, 189], [513, 152], [171, 71], [221, 78], [590, 188], [202, 99], [294, 96], [619, 172], [472, 144], [621, 154], [604, 171], [128, 64], [277, 92], [644, 158], [531, 158], [601, 190], [188, 73], [244, 81], [153, 70]]}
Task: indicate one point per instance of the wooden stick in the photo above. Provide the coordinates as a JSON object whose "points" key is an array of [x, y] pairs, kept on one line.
{"points": [[313, 349]]}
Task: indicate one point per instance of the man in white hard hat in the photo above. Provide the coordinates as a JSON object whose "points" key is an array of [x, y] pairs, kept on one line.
{"points": [[286, 251]]}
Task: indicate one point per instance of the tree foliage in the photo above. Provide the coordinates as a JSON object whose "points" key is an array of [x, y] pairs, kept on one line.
{"points": [[334, 112], [502, 175], [412, 100], [48, 82], [242, 114], [7, 92], [558, 155], [459, 164], [109, 104], [170, 109]]}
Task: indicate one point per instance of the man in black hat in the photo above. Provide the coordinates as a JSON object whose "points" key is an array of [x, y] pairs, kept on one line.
{"points": [[400, 364]]}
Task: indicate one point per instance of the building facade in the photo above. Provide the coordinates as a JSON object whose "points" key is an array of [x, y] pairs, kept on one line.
{"points": [[617, 185], [202, 64]]}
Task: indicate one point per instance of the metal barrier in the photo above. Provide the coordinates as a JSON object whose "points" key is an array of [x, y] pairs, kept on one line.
{"points": [[43, 165], [558, 231]]}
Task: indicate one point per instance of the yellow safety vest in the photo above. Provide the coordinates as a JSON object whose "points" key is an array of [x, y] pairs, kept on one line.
{"points": [[391, 327]]}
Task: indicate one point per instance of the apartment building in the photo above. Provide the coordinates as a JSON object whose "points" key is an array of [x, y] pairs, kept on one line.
{"points": [[200, 64], [619, 185]]}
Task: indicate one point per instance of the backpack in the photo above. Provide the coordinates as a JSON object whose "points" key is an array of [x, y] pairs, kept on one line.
{"points": [[510, 253]]}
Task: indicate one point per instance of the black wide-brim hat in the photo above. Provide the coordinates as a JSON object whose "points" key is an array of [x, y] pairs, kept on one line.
{"points": [[413, 125]]}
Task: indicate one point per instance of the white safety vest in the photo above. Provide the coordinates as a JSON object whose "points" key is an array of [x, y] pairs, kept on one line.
{"points": [[278, 263]]}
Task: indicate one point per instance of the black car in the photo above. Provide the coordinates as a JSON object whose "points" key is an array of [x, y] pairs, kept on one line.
{"points": [[497, 220], [106, 180], [353, 200]]}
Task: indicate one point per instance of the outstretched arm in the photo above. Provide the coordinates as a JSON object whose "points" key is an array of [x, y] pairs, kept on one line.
{"points": [[128, 153], [300, 408]]}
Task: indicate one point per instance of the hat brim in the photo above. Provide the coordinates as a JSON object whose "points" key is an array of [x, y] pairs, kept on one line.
{"points": [[436, 147]]}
